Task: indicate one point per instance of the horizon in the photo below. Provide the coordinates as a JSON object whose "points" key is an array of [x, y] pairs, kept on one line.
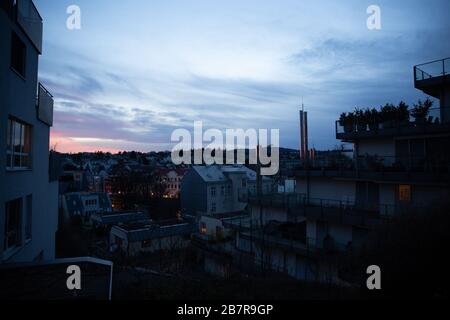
{"points": [[245, 65]]}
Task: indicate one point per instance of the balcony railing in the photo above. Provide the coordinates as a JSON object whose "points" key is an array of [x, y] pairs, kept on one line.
{"points": [[375, 163], [429, 70], [340, 209], [48, 280], [45, 105], [30, 20]]}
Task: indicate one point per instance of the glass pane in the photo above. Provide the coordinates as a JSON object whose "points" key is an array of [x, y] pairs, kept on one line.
{"points": [[8, 160], [25, 161], [8, 136], [16, 161], [17, 136], [26, 139]]}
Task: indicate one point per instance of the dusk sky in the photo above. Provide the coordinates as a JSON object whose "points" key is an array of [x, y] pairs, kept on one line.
{"points": [[139, 69]]}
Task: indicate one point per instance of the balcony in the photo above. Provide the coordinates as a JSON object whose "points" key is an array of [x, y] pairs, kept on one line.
{"points": [[30, 21], [47, 280], [345, 212], [435, 122], [380, 168], [432, 76], [45, 106]]}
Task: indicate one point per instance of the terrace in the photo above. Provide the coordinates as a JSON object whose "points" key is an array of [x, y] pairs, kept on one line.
{"points": [[430, 77], [389, 123]]}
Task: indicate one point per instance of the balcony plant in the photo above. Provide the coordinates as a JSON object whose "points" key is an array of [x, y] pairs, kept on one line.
{"points": [[373, 118], [347, 120], [421, 110], [388, 115], [361, 120], [402, 113]]}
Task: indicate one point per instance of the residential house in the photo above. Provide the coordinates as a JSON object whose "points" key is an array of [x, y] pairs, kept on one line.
{"points": [[218, 189], [140, 238]]}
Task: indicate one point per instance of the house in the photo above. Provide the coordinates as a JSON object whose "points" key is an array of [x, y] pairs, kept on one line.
{"points": [[28, 185], [218, 189], [171, 179], [85, 205], [140, 238], [397, 167]]}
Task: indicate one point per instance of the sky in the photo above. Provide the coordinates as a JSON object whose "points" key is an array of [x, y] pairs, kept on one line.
{"points": [[139, 69]]}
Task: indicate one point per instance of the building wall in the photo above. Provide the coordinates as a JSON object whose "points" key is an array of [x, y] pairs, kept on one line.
{"points": [[18, 99], [193, 193]]}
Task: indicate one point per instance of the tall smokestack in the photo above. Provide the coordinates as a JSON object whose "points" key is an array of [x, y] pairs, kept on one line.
{"points": [[303, 135]]}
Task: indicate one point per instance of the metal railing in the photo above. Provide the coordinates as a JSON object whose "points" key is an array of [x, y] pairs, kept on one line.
{"points": [[375, 163], [350, 207], [428, 70]]}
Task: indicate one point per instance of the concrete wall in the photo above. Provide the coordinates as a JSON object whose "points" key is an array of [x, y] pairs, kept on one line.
{"points": [[18, 99]]}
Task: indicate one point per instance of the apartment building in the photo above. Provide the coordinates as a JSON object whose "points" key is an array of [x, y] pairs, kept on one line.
{"points": [[218, 189], [400, 165], [28, 189]]}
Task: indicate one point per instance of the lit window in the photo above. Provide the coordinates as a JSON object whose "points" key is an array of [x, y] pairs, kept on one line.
{"points": [[18, 145], [404, 193], [203, 228], [13, 213]]}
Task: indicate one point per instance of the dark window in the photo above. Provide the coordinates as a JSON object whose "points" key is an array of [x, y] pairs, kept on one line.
{"points": [[146, 243], [29, 218], [18, 55], [13, 212]]}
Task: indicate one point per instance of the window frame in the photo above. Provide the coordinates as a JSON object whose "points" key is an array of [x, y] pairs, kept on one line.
{"points": [[25, 142]]}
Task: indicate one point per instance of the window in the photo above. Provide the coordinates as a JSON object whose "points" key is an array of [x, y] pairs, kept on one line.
{"points": [[222, 191], [18, 145], [29, 218], [213, 191], [404, 193], [213, 207], [244, 183], [203, 228], [146, 243], [229, 190], [118, 241], [13, 212], [18, 55]]}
